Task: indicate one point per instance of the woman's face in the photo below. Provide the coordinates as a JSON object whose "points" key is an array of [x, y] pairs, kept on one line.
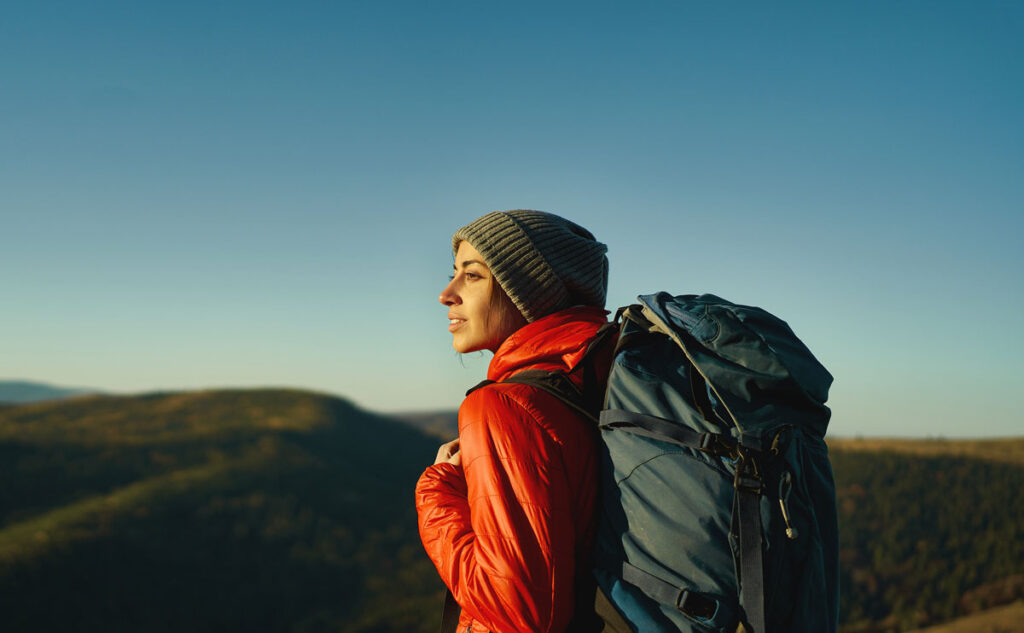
{"points": [[476, 320]]}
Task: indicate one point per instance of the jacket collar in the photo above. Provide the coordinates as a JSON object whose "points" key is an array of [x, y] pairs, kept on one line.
{"points": [[553, 342]]}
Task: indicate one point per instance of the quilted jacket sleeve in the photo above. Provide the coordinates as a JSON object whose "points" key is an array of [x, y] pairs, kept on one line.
{"points": [[502, 534]]}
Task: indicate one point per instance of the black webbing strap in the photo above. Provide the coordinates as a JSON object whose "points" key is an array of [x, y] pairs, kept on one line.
{"points": [[450, 614], [696, 605], [666, 431], [661, 591], [482, 383], [556, 383], [749, 490], [604, 332]]}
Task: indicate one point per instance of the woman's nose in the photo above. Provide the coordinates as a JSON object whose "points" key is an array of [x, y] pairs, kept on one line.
{"points": [[448, 296]]}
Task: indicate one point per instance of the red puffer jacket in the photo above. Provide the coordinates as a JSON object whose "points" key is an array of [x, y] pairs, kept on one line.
{"points": [[507, 529]]}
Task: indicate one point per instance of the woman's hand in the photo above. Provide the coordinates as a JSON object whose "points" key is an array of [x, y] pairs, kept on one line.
{"points": [[449, 453]]}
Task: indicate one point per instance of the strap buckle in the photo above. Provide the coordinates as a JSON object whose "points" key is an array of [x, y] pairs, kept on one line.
{"points": [[747, 478], [697, 606], [716, 444]]}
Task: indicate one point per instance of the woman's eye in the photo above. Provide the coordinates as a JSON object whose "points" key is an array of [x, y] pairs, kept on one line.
{"points": [[467, 275]]}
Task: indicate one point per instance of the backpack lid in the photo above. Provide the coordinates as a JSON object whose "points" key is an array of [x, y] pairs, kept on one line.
{"points": [[753, 363]]}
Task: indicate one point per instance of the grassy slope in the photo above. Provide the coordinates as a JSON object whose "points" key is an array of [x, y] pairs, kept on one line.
{"points": [[225, 510], [1005, 619], [1005, 450]]}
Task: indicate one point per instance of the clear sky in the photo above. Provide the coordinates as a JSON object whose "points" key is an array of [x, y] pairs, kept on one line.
{"points": [[209, 194]]}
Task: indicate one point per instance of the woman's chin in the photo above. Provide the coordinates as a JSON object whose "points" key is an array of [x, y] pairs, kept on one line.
{"points": [[464, 347]]}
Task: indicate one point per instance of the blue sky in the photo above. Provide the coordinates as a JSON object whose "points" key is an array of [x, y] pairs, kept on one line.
{"points": [[245, 194]]}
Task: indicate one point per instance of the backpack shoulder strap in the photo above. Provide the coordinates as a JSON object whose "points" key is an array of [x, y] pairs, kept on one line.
{"points": [[559, 385], [450, 614]]}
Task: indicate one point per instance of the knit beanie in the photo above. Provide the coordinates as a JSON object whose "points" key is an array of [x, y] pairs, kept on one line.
{"points": [[543, 262]]}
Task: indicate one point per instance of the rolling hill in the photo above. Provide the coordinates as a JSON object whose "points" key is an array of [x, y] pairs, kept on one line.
{"points": [[265, 510]]}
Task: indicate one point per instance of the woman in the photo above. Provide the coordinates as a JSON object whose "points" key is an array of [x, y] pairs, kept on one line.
{"points": [[506, 510]]}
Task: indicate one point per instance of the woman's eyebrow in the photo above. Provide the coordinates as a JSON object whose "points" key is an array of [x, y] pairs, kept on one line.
{"points": [[468, 262]]}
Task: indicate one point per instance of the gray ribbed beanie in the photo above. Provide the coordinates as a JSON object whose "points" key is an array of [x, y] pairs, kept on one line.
{"points": [[543, 262]]}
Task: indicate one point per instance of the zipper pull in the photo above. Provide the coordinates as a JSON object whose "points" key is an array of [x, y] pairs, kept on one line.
{"points": [[785, 487]]}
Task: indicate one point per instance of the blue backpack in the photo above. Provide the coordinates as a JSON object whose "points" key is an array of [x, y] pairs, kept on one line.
{"points": [[717, 507]]}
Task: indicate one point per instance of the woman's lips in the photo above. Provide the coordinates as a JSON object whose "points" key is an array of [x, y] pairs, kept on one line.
{"points": [[454, 324]]}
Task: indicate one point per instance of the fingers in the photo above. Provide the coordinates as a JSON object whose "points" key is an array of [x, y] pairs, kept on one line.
{"points": [[448, 453]]}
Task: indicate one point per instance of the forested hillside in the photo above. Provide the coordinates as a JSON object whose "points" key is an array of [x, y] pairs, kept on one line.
{"points": [[281, 510], [924, 539], [210, 511]]}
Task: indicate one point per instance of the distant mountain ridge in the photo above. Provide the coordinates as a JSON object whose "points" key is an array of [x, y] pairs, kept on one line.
{"points": [[19, 391], [441, 424]]}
